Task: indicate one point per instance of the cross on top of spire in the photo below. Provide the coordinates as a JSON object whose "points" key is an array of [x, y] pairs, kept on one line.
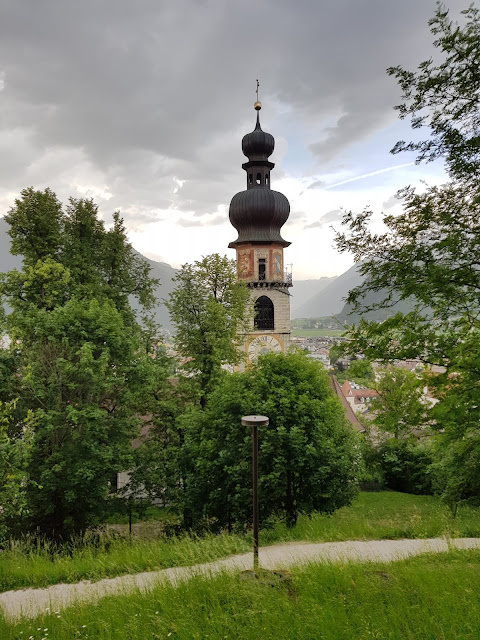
{"points": [[257, 105]]}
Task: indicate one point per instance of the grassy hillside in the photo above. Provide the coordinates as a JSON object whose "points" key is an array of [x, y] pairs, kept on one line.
{"points": [[422, 598], [385, 515]]}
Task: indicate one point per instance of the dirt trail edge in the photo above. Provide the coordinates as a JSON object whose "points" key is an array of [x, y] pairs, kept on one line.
{"points": [[33, 602]]}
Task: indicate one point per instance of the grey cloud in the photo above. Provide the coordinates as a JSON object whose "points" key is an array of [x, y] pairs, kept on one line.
{"points": [[130, 95], [331, 216], [391, 202], [316, 184]]}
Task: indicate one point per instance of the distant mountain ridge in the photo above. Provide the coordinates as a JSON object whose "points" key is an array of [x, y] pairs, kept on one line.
{"points": [[303, 290], [331, 299]]}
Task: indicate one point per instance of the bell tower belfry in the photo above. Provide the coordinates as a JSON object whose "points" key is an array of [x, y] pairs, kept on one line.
{"points": [[258, 213]]}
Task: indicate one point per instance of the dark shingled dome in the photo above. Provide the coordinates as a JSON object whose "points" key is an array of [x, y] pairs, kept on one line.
{"points": [[258, 215]]}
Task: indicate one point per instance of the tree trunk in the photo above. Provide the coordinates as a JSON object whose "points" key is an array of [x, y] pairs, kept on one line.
{"points": [[291, 513]]}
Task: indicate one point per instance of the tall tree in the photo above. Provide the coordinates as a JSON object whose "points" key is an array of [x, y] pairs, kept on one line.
{"points": [[307, 457], [444, 95], [399, 408], [82, 366], [208, 308], [14, 457], [432, 250]]}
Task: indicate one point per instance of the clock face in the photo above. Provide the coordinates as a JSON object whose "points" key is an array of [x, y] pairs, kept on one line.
{"points": [[261, 345]]}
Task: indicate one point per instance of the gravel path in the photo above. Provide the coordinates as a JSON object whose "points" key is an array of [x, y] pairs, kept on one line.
{"points": [[33, 602]]}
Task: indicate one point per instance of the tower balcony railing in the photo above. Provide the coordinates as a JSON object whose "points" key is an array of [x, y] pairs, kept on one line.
{"points": [[286, 281]]}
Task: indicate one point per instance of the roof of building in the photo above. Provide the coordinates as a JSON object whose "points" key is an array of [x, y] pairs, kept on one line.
{"points": [[350, 389], [349, 413]]}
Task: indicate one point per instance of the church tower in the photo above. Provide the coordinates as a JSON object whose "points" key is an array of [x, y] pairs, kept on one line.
{"points": [[258, 214]]}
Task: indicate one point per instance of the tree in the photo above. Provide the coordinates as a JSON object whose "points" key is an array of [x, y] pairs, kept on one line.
{"points": [[361, 372], [14, 456], [307, 454], [399, 409], [208, 309], [159, 469], [432, 250], [81, 363], [445, 96]]}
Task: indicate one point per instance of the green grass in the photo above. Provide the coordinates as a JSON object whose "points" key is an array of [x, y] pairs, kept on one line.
{"points": [[383, 515], [317, 333], [40, 567], [423, 598], [386, 515]]}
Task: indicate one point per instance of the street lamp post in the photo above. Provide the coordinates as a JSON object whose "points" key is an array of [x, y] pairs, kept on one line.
{"points": [[254, 422]]}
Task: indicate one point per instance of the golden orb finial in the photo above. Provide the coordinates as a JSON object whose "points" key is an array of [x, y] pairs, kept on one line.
{"points": [[257, 105]]}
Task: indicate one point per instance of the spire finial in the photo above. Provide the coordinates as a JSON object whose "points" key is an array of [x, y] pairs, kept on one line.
{"points": [[258, 105]]}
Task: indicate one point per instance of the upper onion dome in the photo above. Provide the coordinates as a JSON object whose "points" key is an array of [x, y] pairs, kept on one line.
{"points": [[258, 145]]}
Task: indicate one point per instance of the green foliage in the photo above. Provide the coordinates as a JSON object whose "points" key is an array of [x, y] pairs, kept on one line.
{"points": [[26, 564], [14, 457], [444, 95], [307, 455], [79, 378], [406, 466], [208, 308], [159, 460], [399, 409], [335, 352], [431, 251], [361, 372], [455, 470], [371, 516], [80, 361], [36, 226], [352, 601]]}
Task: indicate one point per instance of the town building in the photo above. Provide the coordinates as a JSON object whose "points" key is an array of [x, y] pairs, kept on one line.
{"points": [[357, 396], [258, 214]]}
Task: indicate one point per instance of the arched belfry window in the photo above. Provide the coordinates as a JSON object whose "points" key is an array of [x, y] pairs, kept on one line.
{"points": [[264, 315]]}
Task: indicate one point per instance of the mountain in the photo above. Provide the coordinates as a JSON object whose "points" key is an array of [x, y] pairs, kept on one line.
{"points": [[165, 273], [160, 270], [303, 290], [331, 299], [378, 315]]}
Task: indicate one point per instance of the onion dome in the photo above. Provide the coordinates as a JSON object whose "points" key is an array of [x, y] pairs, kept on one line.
{"points": [[258, 145], [258, 213]]}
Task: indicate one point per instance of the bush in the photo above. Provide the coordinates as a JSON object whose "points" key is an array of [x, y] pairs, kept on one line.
{"points": [[406, 466]]}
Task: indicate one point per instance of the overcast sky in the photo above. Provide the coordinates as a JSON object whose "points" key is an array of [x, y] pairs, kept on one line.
{"points": [[142, 104]]}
